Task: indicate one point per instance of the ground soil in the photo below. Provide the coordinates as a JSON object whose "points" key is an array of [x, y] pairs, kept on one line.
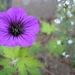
{"points": [[56, 65], [53, 65]]}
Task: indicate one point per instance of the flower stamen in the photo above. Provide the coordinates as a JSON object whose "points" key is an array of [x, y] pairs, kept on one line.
{"points": [[16, 29]]}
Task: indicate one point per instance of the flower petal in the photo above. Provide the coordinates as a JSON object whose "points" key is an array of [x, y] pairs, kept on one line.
{"points": [[16, 14], [25, 40], [6, 39], [31, 24], [4, 21]]}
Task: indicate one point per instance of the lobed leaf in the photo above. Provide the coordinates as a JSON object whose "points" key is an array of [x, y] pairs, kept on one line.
{"points": [[8, 52], [33, 71], [16, 51], [6, 71], [4, 62], [23, 52], [30, 61], [47, 28]]}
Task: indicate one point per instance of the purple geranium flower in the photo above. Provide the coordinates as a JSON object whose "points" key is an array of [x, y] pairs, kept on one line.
{"points": [[17, 29]]}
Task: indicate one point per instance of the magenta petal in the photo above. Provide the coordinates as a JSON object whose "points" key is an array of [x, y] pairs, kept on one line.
{"points": [[31, 25], [16, 13], [4, 21], [6, 39], [25, 40], [5, 17]]}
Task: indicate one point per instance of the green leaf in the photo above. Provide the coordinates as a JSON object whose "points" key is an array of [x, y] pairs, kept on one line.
{"points": [[33, 71], [52, 27], [9, 70], [23, 52], [35, 48], [1, 51], [37, 63], [54, 48], [59, 49], [47, 28], [30, 61], [21, 67], [4, 62], [2, 73], [8, 52], [22, 70], [16, 51]]}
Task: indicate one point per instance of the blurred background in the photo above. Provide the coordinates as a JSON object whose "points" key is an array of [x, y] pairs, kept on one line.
{"points": [[55, 43], [39, 8]]}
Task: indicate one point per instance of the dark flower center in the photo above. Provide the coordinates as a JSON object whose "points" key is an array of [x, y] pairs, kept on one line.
{"points": [[16, 29]]}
